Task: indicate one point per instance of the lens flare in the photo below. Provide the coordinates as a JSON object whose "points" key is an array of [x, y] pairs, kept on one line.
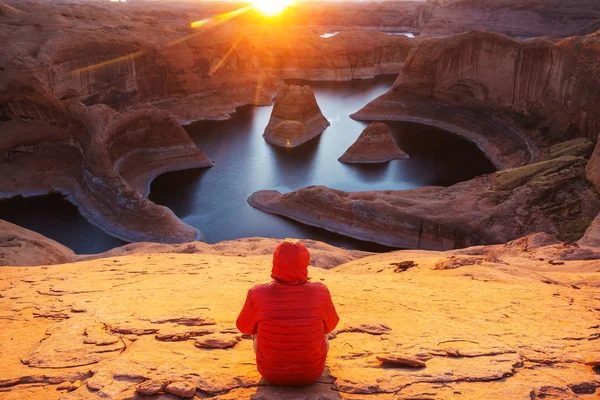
{"points": [[271, 8]]}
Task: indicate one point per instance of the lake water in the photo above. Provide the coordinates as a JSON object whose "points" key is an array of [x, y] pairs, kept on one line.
{"points": [[214, 199], [408, 34]]}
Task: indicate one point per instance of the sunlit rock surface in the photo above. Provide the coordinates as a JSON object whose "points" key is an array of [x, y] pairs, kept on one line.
{"points": [[508, 321], [551, 196], [296, 117], [374, 145], [521, 18]]}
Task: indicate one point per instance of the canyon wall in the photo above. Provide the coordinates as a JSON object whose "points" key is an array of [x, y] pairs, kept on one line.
{"points": [[101, 160], [533, 93], [521, 102], [91, 97], [558, 81], [522, 18], [557, 18], [97, 55]]}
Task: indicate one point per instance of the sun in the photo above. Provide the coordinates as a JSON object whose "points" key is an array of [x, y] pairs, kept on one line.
{"points": [[271, 7]]}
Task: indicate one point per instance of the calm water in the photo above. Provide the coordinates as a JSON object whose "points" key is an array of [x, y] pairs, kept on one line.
{"points": [[214, 199], [408, 34]]}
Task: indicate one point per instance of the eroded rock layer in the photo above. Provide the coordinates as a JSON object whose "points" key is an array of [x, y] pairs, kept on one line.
{"points": [[551, 196], [510, 321], [296, 117], [593, 167], [374, 145], [101, 160], [511, 97], [149, 53], [515, 17], [592, 235]]}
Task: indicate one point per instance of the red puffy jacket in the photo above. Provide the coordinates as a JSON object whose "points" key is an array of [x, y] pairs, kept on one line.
{"points": [[290, 317]]}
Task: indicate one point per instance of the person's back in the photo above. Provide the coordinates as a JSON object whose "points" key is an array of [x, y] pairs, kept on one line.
{"points": [[289, 318]]}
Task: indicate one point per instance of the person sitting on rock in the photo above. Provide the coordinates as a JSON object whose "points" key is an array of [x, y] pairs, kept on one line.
{"points": [[289, 318]]}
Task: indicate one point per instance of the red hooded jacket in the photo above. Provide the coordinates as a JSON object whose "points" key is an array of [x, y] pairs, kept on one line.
{"points": [[290, 317]]}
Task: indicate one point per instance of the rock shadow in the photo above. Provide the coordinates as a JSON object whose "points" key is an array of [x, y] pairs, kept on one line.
{"points": [[446, 158], [57, 218], [321, 391], [177, 190], [370, 172]]}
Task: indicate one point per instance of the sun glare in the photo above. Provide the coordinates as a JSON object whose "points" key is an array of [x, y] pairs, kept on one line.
{"points": [[271, 7]]}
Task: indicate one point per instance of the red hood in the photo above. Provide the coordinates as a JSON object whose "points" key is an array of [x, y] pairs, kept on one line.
{"points": [[290, 262]]}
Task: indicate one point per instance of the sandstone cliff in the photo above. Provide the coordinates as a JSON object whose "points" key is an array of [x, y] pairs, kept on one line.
{"points": [[101, 160], [515, 17], [511, 321], [127, 55], [530, 94], [593, 167], [374, 145], [521, 18], [296, 117], [551, 196], [592, 235]]}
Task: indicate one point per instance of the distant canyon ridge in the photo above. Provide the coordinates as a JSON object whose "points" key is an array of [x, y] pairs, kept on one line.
{"points": [[92, 96]]}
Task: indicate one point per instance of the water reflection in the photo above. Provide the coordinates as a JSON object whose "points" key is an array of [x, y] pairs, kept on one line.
{"points": [[407, 34]]}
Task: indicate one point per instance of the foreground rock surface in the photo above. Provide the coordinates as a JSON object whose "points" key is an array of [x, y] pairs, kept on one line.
{"points": [[551, 196], [494, 322], [374, 145], [296, 117]]}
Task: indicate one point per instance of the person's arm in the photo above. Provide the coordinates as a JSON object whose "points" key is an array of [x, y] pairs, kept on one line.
{"points": [[331, 317], [246, 321]]}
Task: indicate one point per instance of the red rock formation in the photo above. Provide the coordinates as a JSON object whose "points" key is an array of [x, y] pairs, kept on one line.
{"points": [[22, 247], [515, 17], [19, 246], [355, 54], [551, 196], [494, 81], [593, 167], [592, 235], [296, 117], [374, 145], [97, 158], [447, 17], [150, 54]]}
